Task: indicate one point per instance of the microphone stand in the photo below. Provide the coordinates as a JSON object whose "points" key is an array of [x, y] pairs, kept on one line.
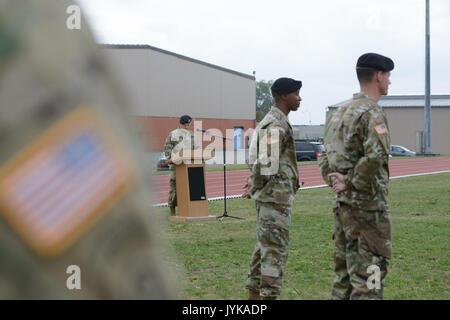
{"points": [[225, 213]]}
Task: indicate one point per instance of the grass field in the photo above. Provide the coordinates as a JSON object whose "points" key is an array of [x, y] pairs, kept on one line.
{"points": [[211, 258]]}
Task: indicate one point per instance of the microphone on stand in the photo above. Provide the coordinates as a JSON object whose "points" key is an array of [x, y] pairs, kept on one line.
{"points": [[225, 213]]}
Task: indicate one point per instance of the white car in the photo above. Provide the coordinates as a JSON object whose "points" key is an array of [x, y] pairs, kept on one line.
{"points": [[401, 151]]}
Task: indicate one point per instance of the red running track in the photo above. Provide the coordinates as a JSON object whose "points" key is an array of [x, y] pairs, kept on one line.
{"points": [[310, 175]]}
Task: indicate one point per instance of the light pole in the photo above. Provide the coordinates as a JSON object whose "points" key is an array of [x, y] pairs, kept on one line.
{"points": [[256, 98], [427, 111]]}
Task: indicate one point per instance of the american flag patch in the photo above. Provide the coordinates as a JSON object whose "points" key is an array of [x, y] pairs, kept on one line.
{"points": [[381, 128], [272, 140], [64, 181]]}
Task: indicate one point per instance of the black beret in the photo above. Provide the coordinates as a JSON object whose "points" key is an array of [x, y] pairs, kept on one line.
{"points": [[374, 61], [185, 119], [286, 85]]}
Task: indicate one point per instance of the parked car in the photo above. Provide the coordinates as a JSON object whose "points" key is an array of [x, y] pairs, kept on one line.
{"points": [[308, 151], [161, 162], [401, 151]]}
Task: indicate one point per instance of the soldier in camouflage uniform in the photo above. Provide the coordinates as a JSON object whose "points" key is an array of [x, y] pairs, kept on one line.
{"points": [[63, 112], [273, 185], [178, 140], [354, 163]]}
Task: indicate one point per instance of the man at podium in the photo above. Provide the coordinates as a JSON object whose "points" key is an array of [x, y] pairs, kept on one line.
{"points": [[179, 139]]}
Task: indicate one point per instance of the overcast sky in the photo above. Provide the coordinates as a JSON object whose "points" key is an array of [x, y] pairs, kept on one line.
{"points": [[317, 42]]}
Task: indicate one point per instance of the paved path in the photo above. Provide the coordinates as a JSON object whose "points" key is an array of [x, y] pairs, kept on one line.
{"points": [[310, 175]]}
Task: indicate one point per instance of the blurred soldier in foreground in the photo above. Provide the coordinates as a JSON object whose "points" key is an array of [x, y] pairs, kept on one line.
{"points": [[273, 184], [355, 164], [178, 140], [74, 219]]}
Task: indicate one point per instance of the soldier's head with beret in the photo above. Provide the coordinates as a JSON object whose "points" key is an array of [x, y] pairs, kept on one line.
{"points": [[374, 69], [185, 120], [285, 92]]}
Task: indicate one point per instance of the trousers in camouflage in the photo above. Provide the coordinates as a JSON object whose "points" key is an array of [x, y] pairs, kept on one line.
{"points": [[172, 201], [269, 258], [361, 239]]}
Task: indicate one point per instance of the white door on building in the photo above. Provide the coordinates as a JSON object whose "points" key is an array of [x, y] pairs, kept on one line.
{"points": [[238, 138]]}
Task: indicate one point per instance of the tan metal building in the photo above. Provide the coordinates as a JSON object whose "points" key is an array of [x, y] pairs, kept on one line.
{"points": [[405, 115], [308, 132], [165, 85]]}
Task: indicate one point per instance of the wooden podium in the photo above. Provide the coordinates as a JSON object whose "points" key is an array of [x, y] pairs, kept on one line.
{"points": [[190, 175]]}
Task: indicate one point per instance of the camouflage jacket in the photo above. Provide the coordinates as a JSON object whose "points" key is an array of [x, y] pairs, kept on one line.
{"points": [[272, 160], [74, 186], [179, 139], [357, 145]]}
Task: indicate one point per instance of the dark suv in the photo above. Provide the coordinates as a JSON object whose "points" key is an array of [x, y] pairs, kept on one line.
{"points": [[308, 151]]}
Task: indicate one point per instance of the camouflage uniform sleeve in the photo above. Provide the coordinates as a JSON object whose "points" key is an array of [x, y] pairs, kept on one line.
{"points": [[324, 166], [168, 146], [276, 143], [267, 140], [373, 129], [276, 140], [196, 143], [252, 150]]}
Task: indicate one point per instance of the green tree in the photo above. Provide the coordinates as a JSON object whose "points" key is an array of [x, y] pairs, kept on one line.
{"points": [[259, 115], [264, 100]]}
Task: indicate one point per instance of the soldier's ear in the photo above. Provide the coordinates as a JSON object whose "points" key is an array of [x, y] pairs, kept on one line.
{"points": [[283, 97], [379, 76], [276, 96]]}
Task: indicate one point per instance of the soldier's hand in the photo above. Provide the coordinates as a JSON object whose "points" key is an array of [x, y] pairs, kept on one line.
{"points": [[247, 189], [338, 183], [299, 186]]}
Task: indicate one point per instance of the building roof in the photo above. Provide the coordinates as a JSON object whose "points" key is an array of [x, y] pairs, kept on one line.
{"points": [[145, 46], [408, 101]]}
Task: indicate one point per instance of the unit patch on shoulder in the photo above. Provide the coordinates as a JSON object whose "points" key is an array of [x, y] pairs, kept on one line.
{"points": [[381, 128], [64, 181]]}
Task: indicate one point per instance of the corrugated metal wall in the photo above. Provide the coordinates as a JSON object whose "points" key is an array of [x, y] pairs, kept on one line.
{"points": [[166, 85], [404, 122]]}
